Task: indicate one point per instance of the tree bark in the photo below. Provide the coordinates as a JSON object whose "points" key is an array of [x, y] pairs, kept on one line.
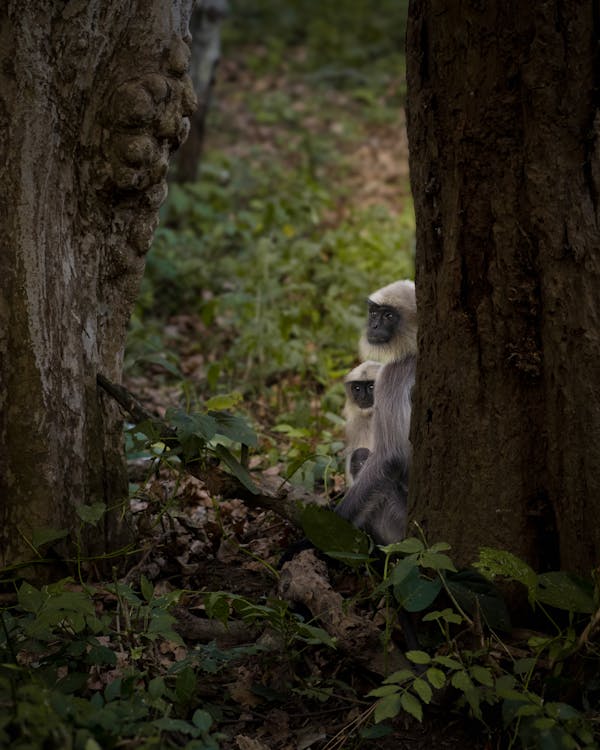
{"points": [[94, 97], [205, 27], [503, 124]]}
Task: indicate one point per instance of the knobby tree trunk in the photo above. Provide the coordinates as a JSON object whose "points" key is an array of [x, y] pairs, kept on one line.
{"points": [[94, 97], [504, 125], [206, 51]]}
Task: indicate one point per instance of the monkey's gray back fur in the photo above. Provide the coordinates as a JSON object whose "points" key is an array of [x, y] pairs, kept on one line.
{"points": [[376, 502]]}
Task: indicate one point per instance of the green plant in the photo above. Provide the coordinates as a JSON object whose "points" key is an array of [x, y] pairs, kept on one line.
{"points": [[56, 651], [480, 677]]}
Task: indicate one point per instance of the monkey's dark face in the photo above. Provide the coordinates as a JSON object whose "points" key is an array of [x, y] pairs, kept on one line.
{"points": [[382, 324], [361, 392]]}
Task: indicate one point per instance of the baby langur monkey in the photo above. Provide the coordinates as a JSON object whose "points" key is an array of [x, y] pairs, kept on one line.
{"points": [[358, 412], [376, 501]]}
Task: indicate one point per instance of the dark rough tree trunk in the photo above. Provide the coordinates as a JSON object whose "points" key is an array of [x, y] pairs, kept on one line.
{"points": [[94, 97], [504, 126], [205, 27]]}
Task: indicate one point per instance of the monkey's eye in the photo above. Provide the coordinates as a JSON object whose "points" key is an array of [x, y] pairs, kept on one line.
{"points": [[371, 387], [373, 313], [389, 316], [356, 388]]}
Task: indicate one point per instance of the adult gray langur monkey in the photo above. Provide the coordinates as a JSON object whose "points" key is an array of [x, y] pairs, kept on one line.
{"points": [[358, 411], [376, 502]]}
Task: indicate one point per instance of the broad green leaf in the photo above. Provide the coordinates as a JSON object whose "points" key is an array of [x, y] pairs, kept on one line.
{"points": [[436, 561], [188, 426], [402, 569], [440, 547], [29, 598], [388, 707], [224, 401], [412, 705], [185, 685], [113, 690], [565, 591], [496, 562], [101, 655], [236, 468], [483, 675], [447, 661], [157, 687], [476, 594], [415, 593], [384, 690], [331, 533], [43, 535], [436, 677], [562, 711], [525, 665], [91, 513], [423, 690], [461, 681], [399, 677], [147, 588], [407, 546], [176, 725], [234, 428], [418, 657], [202, 719]]}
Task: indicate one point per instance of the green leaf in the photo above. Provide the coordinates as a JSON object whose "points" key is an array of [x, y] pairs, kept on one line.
{"points": [[482, 674], [565, 591], [44, 535], [91, 513], [331, 533], [101, 655], [407, 546], [113, 690], [388, 707], [175, 725], [440, 547], [185, 685], [384, 690], [495, 562], [236, 468], [202, 719], [447, 661], [415, 593], [418, 657], [461, 681], [188, 426], [234, 428], [437, 561], [147, 588], [399, 677], [525, 665], [412, 705], [423, 690], [402, 569], [476, 594], [436, 677], [29, 598], [224, 401], [157, 687]]}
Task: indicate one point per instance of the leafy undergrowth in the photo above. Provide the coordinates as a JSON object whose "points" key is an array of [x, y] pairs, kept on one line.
{"points": [[248, 319]]}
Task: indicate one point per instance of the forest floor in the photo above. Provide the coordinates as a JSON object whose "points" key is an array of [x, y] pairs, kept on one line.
{"points": [[282, 690]]}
